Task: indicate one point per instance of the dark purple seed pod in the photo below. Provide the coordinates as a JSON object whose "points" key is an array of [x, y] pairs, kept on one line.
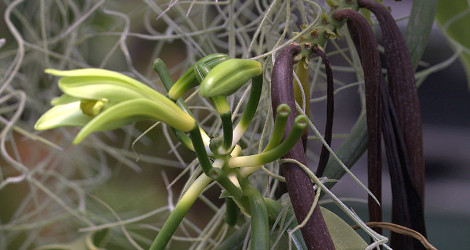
{"points": [[408, 204], [372, 78], [403, 90], [299, 185], [330, 107]]}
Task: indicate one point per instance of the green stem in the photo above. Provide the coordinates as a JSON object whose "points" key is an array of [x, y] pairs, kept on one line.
{"points": [[218, 175], [200, 150], [160, 67], [227, 129], [282, 113], [259, 219], [231, 211], [296, 132], [250, 110], [419, 28], [177, 215], [220, 104], [215, 173]]}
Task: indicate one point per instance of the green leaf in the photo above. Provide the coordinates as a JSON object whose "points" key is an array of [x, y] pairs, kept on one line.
{"points": [[453, 17], [419, 27], [343, 236]]}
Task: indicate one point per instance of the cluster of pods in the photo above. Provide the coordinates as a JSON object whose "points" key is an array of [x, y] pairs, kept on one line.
{"points": [[393, 113]]}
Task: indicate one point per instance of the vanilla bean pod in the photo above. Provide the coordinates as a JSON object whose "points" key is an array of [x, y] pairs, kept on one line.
{"points": [[406, 204], [330, 106], [372, 78], [404, 95], [299, 185], [403, 90]]}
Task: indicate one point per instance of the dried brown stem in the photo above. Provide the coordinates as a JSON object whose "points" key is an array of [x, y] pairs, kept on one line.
{"points": [[401, 230]]}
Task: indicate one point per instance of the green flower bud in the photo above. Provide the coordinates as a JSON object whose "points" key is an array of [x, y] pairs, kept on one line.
{"points": [[227, 77], [188, 80]]}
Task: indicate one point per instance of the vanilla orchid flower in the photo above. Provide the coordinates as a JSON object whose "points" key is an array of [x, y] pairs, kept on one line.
{"points": [[98, 99]]}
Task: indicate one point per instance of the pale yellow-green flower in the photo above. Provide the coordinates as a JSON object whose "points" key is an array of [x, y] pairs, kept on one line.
{"points": [[98, 99]]}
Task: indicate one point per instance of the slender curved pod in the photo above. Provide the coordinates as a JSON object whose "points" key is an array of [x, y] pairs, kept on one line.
{"points": [[330, 106], [408, 204], [403, 90], [373, 79]]}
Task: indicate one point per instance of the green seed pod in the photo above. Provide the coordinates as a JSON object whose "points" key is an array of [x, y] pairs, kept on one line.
{"points": [[188, 80], [227, 77]]}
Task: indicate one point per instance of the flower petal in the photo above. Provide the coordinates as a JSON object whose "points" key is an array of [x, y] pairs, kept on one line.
{"points": [[64, 99], [137, 110], [98, 83], [66, 115], [98, 88]]}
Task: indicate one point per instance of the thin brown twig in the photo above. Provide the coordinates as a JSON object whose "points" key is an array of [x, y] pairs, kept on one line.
{"points": [[400, 230]]}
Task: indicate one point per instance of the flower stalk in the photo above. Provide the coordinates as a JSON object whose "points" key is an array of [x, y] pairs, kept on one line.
{"points": [[300, 124], [259, 219], [178, 213]]}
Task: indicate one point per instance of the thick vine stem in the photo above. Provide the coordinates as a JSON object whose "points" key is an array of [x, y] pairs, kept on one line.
{"points": [[372, 78], [299, 185]]}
